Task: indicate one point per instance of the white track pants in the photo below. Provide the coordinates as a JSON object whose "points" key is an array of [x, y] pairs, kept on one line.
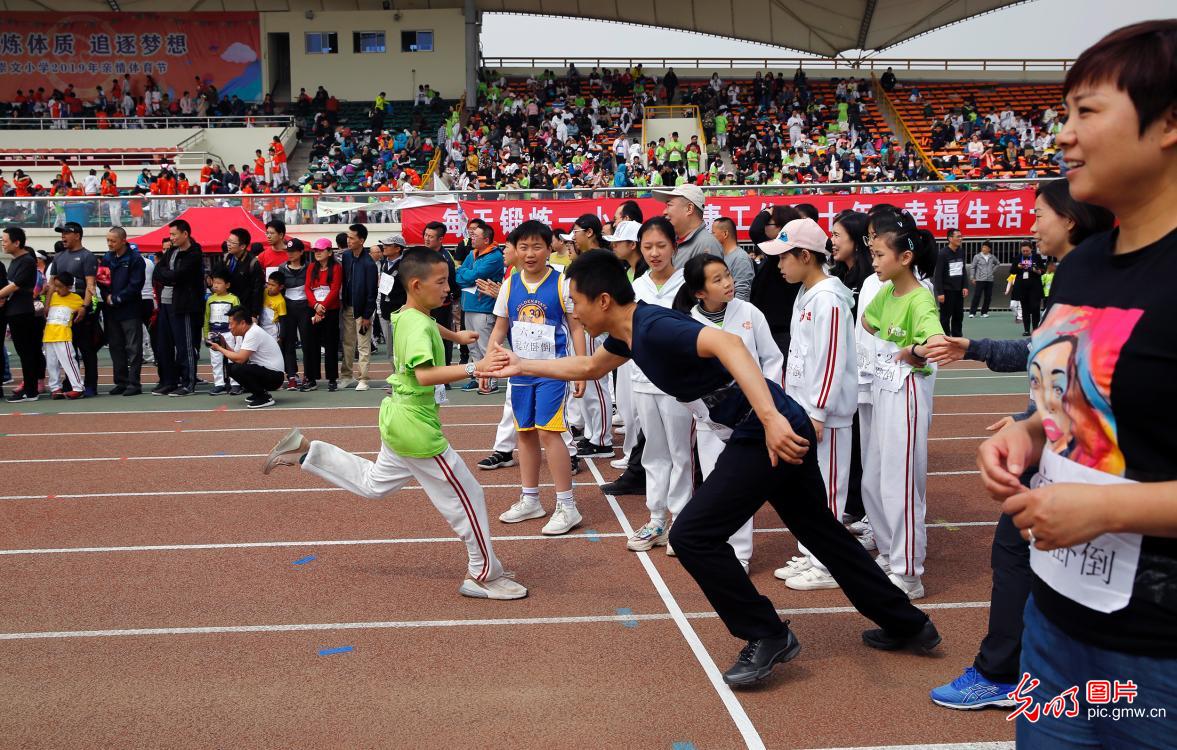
{"points": [[625, 406], [833, 456], [596, 408], [507, 437], [898, 457], [450, 486], [667, 455], [59, 357], [217, 360], [710, 446]]}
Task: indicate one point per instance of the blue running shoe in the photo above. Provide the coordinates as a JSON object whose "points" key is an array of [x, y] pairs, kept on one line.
{"points": [[971, 691], [471, 385]]}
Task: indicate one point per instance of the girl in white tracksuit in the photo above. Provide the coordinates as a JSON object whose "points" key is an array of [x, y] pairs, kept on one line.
{"points": [[822, 374], [667, 457], [903, 318], [708, 294]]}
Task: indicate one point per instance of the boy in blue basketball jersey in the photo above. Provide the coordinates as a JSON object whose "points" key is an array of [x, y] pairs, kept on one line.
{"points": [[534, 309]]}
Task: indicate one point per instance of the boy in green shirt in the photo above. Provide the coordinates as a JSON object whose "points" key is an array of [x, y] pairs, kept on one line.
{"points": [[412, 445]]}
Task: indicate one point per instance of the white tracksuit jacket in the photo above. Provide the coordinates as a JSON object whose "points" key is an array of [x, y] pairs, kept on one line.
{"points": [[823, 370], [744, 320]]}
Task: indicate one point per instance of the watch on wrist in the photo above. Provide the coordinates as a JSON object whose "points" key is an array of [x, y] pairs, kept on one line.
{"points": [[470, 369]]}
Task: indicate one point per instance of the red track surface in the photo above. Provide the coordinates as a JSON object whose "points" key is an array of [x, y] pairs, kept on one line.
{"points": [[417, 675]]}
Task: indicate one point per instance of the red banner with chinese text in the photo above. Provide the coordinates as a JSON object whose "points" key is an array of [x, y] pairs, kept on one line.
{"points": [[997, 213], [54, 50]]}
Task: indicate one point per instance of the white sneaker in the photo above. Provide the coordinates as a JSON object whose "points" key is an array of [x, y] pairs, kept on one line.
{"points": [[564, 519], [971, 315], [619, 430], [744, 565], [523, 510], [347, 383], [910, 585], [883, 563], [287, 452], [867, 540], [620, 463], [984, 315], [652, 534], [799, 564], [860, 527], [617, 420], [670, 548], [811, 580], [362, 385], [500, 588]]}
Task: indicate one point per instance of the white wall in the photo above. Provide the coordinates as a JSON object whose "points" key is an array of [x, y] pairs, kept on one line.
{"points": [[360, 77]]}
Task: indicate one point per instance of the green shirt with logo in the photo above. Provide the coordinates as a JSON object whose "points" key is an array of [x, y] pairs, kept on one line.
{"points": [[409, 421]]}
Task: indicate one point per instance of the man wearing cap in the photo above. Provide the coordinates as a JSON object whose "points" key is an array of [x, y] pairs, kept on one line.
{"points": [[684, 210], [83, 265], [358, 297], [123, 311]]}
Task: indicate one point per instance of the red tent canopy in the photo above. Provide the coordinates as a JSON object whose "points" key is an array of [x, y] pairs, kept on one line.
{"points": [[210, 227]]}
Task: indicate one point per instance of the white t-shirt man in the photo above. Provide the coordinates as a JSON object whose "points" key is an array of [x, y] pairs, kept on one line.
{"points": [[263, 349]]}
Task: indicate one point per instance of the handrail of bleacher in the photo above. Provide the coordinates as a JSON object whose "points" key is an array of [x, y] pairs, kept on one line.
{"points": [[888, 106], [845, 65], [137, 123], [439, 149], [48, 157]]}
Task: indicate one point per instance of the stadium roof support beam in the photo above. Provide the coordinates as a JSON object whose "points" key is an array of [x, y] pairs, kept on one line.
{"points": [[472, 52], [864, 27]]}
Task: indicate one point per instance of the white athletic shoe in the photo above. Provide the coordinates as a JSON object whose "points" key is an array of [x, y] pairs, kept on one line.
{"points": [[500, 588], [287, 452], [523, 510], [670, 548], [860, 527], [867, 540], [811, 580], [910, 585], [619, 430], [652, 534], [564, 519], [617, 420], [744, 565], [883, 564], [797, 565], [362, 385], [620, 463]]}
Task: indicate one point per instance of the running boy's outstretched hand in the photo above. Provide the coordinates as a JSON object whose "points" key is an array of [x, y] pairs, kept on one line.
{"points": [[782, 441]]}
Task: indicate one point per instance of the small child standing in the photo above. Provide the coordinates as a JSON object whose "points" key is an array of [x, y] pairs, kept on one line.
{"points": [[533, 308], [274, 304], [216, 321], [904, 319], [821, 376], [412, 445], [59, 336]]}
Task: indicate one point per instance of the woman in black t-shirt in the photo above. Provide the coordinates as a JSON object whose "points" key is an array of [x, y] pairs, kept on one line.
{"points": [[1102, 515], [16, 296]]}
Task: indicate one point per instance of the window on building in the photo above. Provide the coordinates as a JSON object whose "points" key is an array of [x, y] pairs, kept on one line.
{"points": [[322, 43], [416, 41], [366, 42]]}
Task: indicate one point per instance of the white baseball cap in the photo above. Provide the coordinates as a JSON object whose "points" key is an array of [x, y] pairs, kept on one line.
{"points": [[626, 231], [693, 193], [798, 234]]}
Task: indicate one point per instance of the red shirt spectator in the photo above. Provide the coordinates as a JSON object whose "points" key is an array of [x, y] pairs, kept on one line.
{"points": [[327, 281]]}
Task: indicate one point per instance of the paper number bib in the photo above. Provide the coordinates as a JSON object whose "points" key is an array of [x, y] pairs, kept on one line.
{"points": [[1098, 574], [533, 340], [889, 371], [59, 315]]}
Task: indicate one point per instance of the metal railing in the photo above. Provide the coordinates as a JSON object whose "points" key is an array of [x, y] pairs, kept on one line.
{"points": [[148, 122], [835, 64]]}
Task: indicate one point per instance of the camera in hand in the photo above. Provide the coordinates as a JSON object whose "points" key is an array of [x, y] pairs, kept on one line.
{"points": [[216, 338]]}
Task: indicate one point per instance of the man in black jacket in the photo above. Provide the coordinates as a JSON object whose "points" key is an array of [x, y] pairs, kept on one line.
{"points": [[123, 312], [247, 278], [951, 284], [433, 236], [358, 298], [75, 259], [181, 302]]}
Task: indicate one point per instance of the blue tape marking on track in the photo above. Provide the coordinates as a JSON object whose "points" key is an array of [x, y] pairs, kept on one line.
{"points": [[221, 453], [591, 535], [304, 560], [627, 623], [330, 651], [683, 746]]}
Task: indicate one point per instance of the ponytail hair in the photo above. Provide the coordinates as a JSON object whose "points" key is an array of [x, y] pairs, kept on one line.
{"points": [[694, 275], [899, 232]]}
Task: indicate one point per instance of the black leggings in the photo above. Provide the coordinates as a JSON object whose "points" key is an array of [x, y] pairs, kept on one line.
{"points": [[1031, 313], [293, 328], [325, 335]]}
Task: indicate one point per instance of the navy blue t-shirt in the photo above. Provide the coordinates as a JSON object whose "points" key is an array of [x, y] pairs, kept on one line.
{"points": [[665, 347]]}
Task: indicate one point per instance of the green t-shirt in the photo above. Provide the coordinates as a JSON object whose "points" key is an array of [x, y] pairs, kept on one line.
{"points": [[1047, 280], [720, 124], [409, 421], [693, 157], [910, 319]]}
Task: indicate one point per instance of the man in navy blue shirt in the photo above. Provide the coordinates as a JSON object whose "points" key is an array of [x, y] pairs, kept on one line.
{"points": [[767, 457]]}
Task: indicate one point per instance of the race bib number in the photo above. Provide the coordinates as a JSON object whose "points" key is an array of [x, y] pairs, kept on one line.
{"points": [[387, 282], [267, 316], [956, 268], [795, 369], [1098, 574], [889, 371], [321, 293], [59, 315], [218, 314], [534, 340]]}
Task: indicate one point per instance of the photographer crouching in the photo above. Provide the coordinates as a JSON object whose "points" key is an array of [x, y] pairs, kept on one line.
{"points": [[256, 362]]}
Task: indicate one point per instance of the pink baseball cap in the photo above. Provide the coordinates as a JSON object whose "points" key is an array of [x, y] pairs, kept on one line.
{"points": [[323, 244], [798, 234]]}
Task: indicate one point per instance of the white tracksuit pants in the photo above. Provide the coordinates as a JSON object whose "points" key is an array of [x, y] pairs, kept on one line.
{"points": [[217, 360], [627, 407], [507, 437], [898, 457], [594, 412], [833, 457], [710, 446], [667, 455], [451, 488], [59, 356]]}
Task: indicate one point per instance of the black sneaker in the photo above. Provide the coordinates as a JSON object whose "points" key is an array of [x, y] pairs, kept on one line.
{"points": [[626, 484], [332, 386], [220, 390], [133, 391], [587, 449], [19, 395], [259, 403], [575, 465], [118, 390], [757, 659], [577, 433], [235, 391], [497, 460], [181, 391], [309, 385], [927, 639], [162, 390]]}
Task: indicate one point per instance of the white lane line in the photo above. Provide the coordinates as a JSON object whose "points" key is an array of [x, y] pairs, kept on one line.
{"points": [[366, 542], [980, 395], [993, 376], [412, 624], [953, 473], [242, 409], [734, 708], [189, 457], [179, 430], [1010, 745], [250, 491]]}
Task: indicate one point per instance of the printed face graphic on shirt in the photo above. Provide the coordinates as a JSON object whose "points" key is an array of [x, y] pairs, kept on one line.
{"points": [[1073, 357]]}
